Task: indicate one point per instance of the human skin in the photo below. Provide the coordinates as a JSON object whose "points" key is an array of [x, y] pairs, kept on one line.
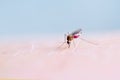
{"points": [[44, 60]]}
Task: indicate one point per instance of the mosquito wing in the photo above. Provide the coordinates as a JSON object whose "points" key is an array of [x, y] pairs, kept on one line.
{"points": [[76, 32]]}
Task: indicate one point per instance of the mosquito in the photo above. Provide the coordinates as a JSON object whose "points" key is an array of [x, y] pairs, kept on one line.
{"points": [[68, 38], [74, 35]]}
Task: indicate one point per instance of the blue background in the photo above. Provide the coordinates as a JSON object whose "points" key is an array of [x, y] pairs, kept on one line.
{"points": [[26, 17]]}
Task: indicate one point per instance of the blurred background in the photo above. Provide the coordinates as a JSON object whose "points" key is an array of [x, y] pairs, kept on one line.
{"points": [[38, 17]]}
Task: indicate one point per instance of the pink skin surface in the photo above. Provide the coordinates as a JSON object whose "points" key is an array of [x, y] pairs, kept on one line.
{"points": [[43, 60]]}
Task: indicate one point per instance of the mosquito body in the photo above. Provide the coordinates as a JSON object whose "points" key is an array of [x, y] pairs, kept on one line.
{"points": [[70, 37]]}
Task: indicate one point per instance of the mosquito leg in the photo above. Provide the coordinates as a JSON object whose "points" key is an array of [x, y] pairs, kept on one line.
{"points": [[74, 43], [64, 41], [68, 45], [65, 37], [61, 44]]}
